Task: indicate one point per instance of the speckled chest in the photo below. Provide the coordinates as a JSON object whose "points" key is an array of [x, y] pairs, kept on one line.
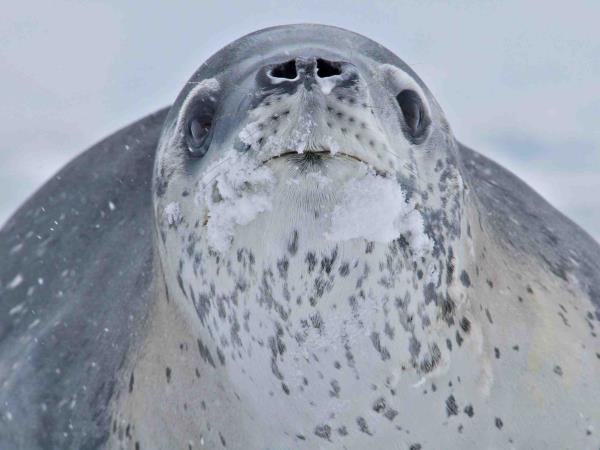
{"points": [[307, 329]]}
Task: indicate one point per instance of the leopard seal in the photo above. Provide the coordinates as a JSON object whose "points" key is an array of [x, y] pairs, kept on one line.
{"points": [[297, 254]]}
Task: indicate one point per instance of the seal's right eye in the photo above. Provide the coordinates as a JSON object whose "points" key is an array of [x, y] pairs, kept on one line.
{"points": [[198, 136]]}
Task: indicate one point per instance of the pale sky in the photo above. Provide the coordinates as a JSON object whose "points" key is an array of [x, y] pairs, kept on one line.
{"points": [[518, 80]]}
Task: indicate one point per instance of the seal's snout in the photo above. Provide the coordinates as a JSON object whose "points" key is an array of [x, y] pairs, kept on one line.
{"points": [[316, 103], [307, 71]]}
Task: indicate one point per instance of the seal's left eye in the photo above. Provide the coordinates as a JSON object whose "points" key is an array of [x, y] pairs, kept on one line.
{"points": [[198, 136], [416, 119]]}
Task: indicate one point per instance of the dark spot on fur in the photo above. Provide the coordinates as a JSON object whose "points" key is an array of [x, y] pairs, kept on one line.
{"points": [[282, 267], [383, 351], [451, 406], [205, 353], [465, 279], [469, 410], [414, 347], [362, 425], [459, 339], [450, 265], [432, 360], [317, 321], [311, 261], [465, 325], [327, 262], [499, 423], [323, 431], [390, 414], [430, 293], [335, 389], [448, 309], [379, 405], [344, 269], [180, 282], [221, 356], [529, 289], [293, 243]]}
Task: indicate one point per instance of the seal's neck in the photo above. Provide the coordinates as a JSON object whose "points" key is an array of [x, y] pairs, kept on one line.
{"points": [[304, 335]]}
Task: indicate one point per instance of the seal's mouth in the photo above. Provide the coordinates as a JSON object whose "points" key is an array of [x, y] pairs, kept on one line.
{"points": [[315, 156]]}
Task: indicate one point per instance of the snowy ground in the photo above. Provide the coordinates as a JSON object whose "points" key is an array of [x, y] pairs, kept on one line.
{"points": [[518, 80]]}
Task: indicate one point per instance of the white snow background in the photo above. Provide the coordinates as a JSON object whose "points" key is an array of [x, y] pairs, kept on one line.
{"points": [[518, 80]]}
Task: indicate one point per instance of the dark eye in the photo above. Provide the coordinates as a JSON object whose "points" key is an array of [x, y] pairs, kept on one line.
{"points": [[415, 115], [198, 136]]}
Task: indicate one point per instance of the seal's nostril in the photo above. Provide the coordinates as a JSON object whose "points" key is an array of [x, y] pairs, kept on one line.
{"points": [[328, 68], [285, 70]]}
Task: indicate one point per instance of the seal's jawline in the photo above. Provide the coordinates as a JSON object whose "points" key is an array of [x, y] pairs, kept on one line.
{"points": [[325, 152]]}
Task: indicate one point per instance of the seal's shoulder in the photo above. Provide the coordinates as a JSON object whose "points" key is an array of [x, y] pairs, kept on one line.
{"points": [[525, 221], [74, 284]]}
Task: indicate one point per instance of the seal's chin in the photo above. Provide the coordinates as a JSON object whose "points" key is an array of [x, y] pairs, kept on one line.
{"points": [[314, 158]]}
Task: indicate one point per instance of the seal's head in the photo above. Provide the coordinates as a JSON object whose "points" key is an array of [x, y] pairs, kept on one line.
{"points": [[306, 203], [297, 102]]}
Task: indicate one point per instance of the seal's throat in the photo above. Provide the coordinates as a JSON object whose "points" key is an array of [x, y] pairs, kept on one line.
{"points": [[288, 327]]}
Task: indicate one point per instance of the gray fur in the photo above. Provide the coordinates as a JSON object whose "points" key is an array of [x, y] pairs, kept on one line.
{"points": [[85, 268]]}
